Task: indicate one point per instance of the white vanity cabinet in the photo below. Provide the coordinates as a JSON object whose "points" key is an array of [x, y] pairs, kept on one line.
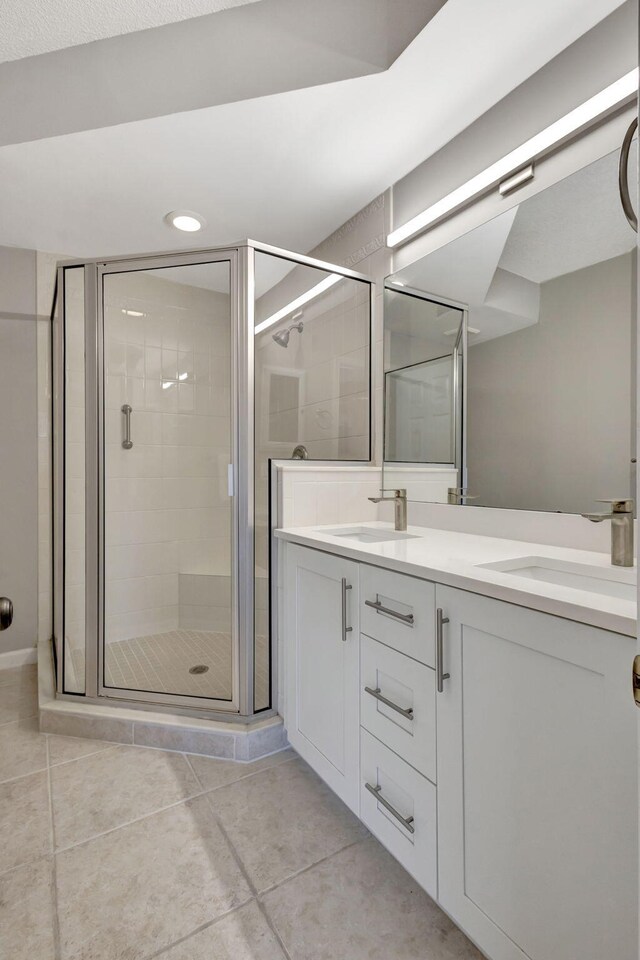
{"points": [[537, 815], [510, 794], [322, 666]]}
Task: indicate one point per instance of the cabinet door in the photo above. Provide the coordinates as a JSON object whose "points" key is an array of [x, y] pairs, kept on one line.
{"points": [[321, 657], [537, 797]]}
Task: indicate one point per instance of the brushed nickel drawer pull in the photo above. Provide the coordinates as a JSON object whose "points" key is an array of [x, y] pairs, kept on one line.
{"points": [[405, 821], [380, 608], [345, 629], [408, 713], [441, 676]]}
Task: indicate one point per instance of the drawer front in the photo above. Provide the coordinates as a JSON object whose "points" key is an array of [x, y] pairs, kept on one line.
{"points": [[404, 615], [410, 795], [411, 687]]}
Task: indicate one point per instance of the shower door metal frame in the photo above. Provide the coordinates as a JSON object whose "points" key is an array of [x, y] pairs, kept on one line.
{"points": [[241, 257], [144, 264]]}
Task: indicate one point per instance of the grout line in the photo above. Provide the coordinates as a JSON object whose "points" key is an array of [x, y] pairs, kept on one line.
{"points": [[21, 776], [236, 856], [270, 923], [85, 756], [300, 873], [201, 793], [24, 863], [245, 776], [128, 823], [259, 895], [203, 926], [54, 872]]}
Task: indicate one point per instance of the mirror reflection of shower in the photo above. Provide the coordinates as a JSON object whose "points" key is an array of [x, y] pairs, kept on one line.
{"points": [[282, 336]]}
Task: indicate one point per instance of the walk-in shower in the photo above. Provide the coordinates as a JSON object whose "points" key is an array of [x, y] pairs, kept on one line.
{"points": [[171, 397]]}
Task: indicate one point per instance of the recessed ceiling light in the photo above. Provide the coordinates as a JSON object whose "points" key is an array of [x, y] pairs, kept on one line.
{"points": [[185, 220]]}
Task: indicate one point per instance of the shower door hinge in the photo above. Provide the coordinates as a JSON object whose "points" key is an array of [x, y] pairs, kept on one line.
{"points": [[230, 483], [635, 673]]}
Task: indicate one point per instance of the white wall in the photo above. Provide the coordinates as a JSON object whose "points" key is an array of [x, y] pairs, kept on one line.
{"points": [[18, 446]]}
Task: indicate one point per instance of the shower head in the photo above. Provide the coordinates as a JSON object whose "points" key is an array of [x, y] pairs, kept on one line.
{"points": [[282, 336]]}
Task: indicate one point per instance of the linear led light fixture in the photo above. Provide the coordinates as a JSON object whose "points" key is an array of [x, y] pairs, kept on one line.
{"points": [[299, 301], [598, 106]]}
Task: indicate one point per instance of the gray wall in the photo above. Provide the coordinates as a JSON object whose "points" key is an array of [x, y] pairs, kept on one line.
{"points": [[18, 446], [550, 407]]}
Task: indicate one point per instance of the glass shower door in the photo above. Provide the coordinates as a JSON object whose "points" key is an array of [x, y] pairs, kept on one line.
{"points": [[169, 626]]}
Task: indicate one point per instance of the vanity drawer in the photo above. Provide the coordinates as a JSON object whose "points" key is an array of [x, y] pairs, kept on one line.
{"points": [[410, 686], [410, 795], [404, 615]]}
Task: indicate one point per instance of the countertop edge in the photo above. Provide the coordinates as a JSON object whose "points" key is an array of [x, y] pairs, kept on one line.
{"points": [[604, 620]]}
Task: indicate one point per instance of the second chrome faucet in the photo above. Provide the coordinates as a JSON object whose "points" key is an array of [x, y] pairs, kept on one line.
{"points": [[621, 516], [399, 498]]}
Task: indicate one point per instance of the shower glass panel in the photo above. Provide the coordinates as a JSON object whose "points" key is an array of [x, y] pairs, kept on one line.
{"points": [[72, 293], [177, 379], [168, 513], [312, 392]]}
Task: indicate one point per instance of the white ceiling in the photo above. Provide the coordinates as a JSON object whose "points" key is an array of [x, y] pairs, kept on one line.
{"points": [[290, 168], [31, 27], [571, 225]]}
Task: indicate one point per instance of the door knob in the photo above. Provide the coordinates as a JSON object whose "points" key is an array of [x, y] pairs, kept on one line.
{"points": [[6, 613]]}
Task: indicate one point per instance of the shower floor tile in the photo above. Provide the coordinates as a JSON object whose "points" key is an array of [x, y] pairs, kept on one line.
{"points": [[160, 663]]}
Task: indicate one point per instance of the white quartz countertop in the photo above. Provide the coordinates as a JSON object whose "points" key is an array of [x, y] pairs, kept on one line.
{"points": [[452, 558]]}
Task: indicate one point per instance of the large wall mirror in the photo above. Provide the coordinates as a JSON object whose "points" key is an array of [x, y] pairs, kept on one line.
{"points": [[510, 356]]}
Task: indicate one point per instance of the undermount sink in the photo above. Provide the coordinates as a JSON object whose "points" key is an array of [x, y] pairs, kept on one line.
{"points": [[367, 534], [617, 582]]}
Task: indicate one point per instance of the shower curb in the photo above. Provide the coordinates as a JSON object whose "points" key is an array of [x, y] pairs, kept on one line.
{"points": [[210, 738]]}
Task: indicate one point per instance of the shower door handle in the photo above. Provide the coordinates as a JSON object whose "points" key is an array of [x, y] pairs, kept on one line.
{"points": [[127, 443]]}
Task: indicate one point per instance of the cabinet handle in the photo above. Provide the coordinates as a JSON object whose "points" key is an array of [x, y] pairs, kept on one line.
{"points": [[127, 443], [440, 676], [408, 713], [379, 608], [345, 629], [405, 821]]}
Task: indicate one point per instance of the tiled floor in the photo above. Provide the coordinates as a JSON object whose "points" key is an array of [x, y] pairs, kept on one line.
{"points": [[161, 663], [112, 852]]}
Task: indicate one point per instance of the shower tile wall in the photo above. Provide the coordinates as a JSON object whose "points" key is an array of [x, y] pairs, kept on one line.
{"points": [[326, 406], [167, 353], [316, 391]]}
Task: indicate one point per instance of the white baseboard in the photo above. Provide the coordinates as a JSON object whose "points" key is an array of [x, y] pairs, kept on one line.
{"points": [[18, 658]]}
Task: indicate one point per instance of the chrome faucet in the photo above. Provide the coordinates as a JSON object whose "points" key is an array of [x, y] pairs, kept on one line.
{"points": [[300, 453], [400, 502], [621, 517]]}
